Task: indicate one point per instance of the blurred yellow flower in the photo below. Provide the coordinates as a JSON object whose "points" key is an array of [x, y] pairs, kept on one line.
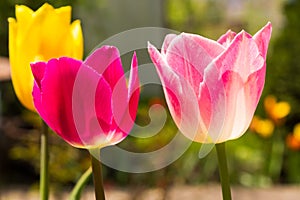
{"points": [[293, 140], [263, 127], [296, 132], [39, 36], [276, 110]]}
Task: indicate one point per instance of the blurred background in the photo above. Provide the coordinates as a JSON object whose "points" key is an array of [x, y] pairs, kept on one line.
{"points": [[268, 154]]}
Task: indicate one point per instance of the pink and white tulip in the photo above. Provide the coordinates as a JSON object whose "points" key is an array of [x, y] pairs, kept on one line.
{"points": [[87, 103], [212, 88]]}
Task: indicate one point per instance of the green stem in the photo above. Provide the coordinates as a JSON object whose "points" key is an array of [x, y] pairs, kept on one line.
{"points": [[83, 180], [276, 156], [44, 175], [223, 170], [98, 180]]}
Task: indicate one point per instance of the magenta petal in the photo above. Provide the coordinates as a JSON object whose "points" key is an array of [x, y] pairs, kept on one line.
{"points": [[133, 88], [92, 109], [262, 38], [125, 110], [242, 57], [168, 39], [226, 39], [54, 103], [106, 61], [38, 71], [36, 94], [189, 55]]}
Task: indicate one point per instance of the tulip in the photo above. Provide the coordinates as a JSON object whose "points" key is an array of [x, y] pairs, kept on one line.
{"points": [[40, 36], [88, 104], [212, 86]]}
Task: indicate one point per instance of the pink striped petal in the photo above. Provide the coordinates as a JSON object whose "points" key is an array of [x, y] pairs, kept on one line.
{"points": [[253, 90], [241, 102], [192, 63], [227, 38], [235, 105], [184, 111], [168, 39], [262, 39], [242, 57], [234, 67], [212, 92]]}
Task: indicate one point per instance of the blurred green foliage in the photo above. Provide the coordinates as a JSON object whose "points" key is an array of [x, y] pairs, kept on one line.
{"points": [[283, 78], [284, 64]]}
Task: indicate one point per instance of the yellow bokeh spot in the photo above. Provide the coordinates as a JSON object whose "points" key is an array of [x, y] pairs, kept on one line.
{"points": [[281, 110], [276, 110], [265, 128], [269, 103], [296, 132]]}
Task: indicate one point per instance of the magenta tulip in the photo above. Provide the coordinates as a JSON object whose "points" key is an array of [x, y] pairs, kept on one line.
{"points": [[212, 86], [87, 103]]}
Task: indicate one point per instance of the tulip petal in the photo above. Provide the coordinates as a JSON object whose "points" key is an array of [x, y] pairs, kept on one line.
{"points": [[189, 55], [124, 119], [236, 107], [262, 39], [227, 38], [54, 102], [76, 40], [180, 97], [106, 61], [20, 74], [212, 93], [23, 16], [60, 104], [168, 39], [92, 109], [38, 71], [51, 38], [242, 57], [253, 90], [242, 100], [133, 88], [234, 66]]}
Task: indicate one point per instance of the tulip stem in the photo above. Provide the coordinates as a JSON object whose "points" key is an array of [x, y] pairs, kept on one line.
{"points": [[223, 171], [98, 179], [83, 180], [44, 175], [275, 156]]}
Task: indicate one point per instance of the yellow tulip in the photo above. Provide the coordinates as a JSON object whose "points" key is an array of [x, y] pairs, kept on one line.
{"points": [[39, 36]]}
